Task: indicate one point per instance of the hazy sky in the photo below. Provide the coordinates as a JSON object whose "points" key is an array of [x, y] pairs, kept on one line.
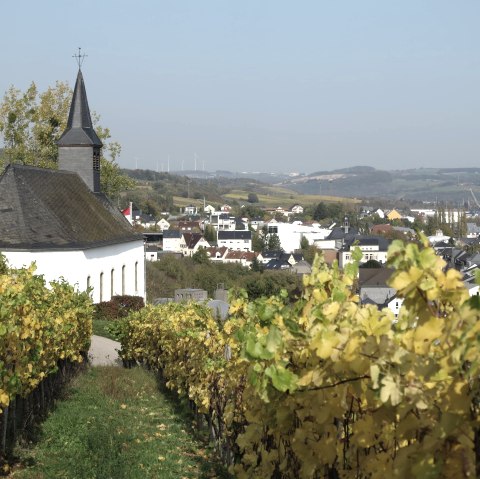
{"points": [[263, 85]]}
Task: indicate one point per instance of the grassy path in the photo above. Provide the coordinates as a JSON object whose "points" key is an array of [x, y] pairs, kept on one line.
{"points": [[115, 424]]}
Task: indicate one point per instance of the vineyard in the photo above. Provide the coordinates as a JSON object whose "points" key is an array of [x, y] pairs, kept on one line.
{"points": [[323, 387], [44, 332]]}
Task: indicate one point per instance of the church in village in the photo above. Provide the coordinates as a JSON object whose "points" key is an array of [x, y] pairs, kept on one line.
{"points": [[61, 220]]}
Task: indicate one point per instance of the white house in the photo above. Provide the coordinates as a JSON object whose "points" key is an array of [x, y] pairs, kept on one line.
{"points": [[163, 224], [60, 219], [209, 209], [217, 254], [372, 248], [151, 252], [190, 210], [173, 241], [438, 237], [291, 234], [240, 240], [194, 242], [245, 258], [297, 209], [223, 221]]}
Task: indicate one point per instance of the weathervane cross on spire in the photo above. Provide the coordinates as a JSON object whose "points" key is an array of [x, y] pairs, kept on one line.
{"points": [[79, 57]]}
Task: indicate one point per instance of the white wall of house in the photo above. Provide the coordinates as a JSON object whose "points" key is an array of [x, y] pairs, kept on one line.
{"points": [[202, 243], [163, 224], [369, 252], [394, 305], [176, 245], [96, 267], [151, 255], [290, 234], [236, 244], [325, 244], [209, 209], [223, 224]]}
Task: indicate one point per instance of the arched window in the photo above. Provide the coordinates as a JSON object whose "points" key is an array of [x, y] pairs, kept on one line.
{"points": [[101, 287], [112, 289], [123, 279], [136, 276]]}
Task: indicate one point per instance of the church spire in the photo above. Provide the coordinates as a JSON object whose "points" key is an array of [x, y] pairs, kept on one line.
{"points": [[79, 147], [79, 131]]}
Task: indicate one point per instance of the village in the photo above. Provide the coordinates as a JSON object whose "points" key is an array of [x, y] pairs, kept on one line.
{"points": [[184, 235]]}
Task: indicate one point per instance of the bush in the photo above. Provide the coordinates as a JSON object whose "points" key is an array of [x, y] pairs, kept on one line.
{"points": [[118, 307]]}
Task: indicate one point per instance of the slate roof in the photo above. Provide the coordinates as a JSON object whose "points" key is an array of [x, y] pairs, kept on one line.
{"points": [[237, 235], [377, 295], [383, 243], [43, 209], [374, 276], [339, 233], [277, 264], [170, 234], [79, 131], [191, 239], [245, 255]]}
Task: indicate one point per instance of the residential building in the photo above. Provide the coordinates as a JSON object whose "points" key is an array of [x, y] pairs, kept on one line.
{"points": [[245, 258], [190, 210], [151, 252], [163, 224], [291, 234], [223, 221], [194, 242], [372, 248], [217, 254], [393, 215], [296, 209], [235, 240], [374, 289], [173, 241]]}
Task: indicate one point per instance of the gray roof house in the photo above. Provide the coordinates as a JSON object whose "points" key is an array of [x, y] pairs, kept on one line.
{"points": [[60, 219]]}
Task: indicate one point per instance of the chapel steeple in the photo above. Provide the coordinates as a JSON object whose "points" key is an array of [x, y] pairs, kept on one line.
{"points": [[79, 147]]}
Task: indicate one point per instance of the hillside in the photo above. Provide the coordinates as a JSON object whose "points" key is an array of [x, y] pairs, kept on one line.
{"points": [[161, 191], [426, 184], [454, 185]]}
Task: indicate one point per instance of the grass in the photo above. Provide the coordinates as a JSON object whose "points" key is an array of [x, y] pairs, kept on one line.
{"points": [[116, 424], [100, 328]]}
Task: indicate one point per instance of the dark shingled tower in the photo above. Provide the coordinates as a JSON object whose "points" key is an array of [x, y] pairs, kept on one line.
{"points": [[79, 146]]}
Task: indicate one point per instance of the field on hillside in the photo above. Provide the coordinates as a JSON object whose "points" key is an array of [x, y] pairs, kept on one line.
{"points": [[186, 191], [273, 196]]}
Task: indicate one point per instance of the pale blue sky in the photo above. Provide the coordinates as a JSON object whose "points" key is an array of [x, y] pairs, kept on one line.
{"points": [[263, 85]]}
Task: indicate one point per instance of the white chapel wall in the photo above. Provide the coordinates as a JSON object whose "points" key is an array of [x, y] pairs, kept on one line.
{"points": [[127, 260]]}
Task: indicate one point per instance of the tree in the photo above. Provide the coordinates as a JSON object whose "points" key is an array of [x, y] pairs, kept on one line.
{"points": [[201, 256], [309, 251], [210, 234], [258, 241], [274, 243], [371, 263], [256, 265], [320, 212], [32, 122], [252, 198], [251, 211]]}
